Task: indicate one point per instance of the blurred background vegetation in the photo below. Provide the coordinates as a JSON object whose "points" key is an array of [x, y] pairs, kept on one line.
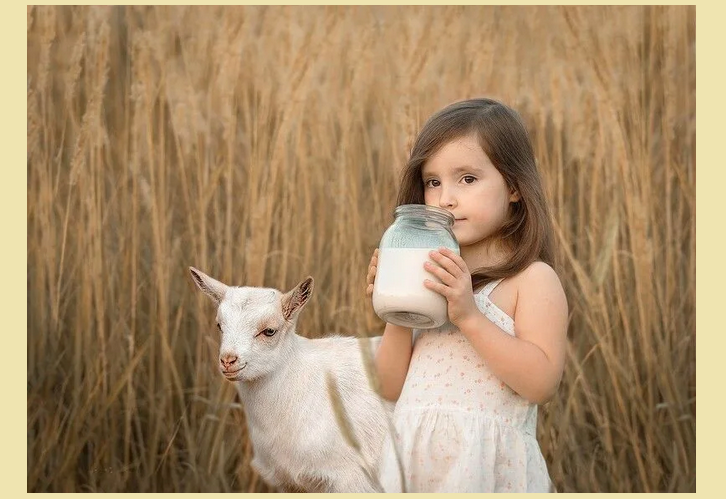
{"points": [[263, 144]]}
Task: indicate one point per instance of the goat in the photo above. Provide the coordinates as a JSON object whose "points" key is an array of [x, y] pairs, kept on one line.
{"points": [[284, 381]]}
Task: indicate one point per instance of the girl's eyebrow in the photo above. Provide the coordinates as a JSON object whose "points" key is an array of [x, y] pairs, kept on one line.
{"points": [[456, 170]]}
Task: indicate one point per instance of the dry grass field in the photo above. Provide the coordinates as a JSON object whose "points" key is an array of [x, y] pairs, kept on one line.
{"points": [[263, 144]]}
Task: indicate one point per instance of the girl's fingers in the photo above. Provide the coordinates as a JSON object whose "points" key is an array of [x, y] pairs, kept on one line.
{"points": [[372, 267], [371, 274], [456, 259], [373, 263], [447, 263], [443, 275], [437, 287]]}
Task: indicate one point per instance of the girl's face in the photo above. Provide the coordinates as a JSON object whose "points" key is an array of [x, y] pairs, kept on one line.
{"points": [[461, 179]]}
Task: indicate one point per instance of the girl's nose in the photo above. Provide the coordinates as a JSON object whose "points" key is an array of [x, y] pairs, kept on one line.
{"points": [[447, 199]]}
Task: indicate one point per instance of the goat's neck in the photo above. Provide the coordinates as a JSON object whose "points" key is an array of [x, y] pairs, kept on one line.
{"points": [[268, 394]]}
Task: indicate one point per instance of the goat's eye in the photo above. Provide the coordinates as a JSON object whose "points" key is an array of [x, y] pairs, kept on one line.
{"points": [[269, 332]]}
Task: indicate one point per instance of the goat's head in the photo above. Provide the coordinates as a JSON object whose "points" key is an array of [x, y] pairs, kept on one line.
{"points": [[254, 324]]}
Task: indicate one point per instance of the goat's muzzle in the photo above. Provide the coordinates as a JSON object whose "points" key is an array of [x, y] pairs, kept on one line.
{"points": [[232, 374]]}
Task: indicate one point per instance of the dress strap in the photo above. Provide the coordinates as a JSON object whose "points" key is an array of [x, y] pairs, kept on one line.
{"points": [[490, 287], [492, 311]]}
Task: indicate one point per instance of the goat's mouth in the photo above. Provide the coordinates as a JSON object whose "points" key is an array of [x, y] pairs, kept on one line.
{"points": [[232, 375]]}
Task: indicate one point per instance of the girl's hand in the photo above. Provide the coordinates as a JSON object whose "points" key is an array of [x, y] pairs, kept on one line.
{"points": [[371, 277], [455, 284]]}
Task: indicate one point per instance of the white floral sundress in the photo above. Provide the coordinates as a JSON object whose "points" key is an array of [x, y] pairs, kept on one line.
{"points": [[458, 427]]}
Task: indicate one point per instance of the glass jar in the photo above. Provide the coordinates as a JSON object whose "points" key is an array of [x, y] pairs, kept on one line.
{"points": [[399, 294]]}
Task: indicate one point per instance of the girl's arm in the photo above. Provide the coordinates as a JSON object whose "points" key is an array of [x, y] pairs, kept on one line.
{"points": [[531, 363], [392, 360], [394, 353]]}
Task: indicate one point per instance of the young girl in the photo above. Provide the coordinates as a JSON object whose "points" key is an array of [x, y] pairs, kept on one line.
{"points": [[467, 393]]}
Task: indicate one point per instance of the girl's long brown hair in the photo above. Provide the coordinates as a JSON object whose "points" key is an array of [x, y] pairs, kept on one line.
{"points": [[527, 234]]}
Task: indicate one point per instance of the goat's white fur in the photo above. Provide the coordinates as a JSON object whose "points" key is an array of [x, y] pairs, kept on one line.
{"points": [[298, 446]]}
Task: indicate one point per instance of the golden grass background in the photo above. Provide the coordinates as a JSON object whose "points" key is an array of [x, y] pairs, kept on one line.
{"points": [[263, 144]]}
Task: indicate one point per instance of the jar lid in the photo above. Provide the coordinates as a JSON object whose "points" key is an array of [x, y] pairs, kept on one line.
{"points": [[425, 211]]}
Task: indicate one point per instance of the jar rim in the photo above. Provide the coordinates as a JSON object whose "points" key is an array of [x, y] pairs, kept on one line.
{"points": [[423, 209]]}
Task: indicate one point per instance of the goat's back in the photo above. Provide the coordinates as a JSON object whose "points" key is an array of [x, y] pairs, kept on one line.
{"points": [[294, 422]]}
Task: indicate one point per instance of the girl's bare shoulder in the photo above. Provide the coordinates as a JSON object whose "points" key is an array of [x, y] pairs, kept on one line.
{"points": [[538, 271], [539, 280]]}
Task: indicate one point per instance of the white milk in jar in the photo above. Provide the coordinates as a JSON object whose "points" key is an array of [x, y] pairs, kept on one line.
{"points": [[399, 294], [399, 290]]}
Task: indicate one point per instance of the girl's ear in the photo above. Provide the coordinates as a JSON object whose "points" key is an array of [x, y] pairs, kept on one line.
{"points": [[513, 195]]}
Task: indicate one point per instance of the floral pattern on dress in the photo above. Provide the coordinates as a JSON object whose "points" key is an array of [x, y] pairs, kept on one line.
{"points": [[458, 427]]}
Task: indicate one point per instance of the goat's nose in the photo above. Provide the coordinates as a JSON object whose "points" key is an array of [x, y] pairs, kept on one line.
{"points": [[227, 360]]}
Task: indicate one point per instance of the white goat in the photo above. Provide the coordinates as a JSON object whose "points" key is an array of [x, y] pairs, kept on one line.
{"points": [[282, 380]]}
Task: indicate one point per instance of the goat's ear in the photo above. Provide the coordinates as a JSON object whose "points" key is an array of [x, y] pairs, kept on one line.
{"points": [[294, 300], [211, 287]]}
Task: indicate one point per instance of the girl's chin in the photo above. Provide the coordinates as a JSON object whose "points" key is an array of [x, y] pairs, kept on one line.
{"points": [[461, 236], [463, 241], [466, 240]]}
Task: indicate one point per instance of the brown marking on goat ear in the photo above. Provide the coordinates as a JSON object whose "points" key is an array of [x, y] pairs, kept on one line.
{"points": [[197, 278], [306, 289], [295, 300]]}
